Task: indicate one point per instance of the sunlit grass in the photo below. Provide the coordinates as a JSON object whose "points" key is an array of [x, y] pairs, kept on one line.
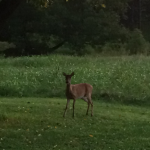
{"points": [[37, 123]]}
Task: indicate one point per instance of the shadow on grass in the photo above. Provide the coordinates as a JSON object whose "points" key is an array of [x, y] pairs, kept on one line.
{"points": [[126, 100], [3, 117]]}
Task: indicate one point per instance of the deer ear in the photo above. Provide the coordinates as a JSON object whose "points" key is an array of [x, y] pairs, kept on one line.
{"points": [[64, 74], [72, 74]]}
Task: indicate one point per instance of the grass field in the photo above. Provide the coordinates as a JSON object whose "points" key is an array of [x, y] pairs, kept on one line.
{"points": [[37, 124], [125, 79], [121, 92]]}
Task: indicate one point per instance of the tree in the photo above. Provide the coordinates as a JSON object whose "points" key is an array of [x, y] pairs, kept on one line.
{"points": [[7, 7], [85, 22], [75, 22]]}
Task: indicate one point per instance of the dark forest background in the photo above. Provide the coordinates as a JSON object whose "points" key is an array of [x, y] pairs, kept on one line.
{"points": [[74, 27]]}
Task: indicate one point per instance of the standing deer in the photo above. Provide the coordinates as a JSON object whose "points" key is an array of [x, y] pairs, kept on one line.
{"points": [[75, 91]]}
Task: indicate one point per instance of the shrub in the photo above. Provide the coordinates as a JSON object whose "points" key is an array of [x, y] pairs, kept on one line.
{"points": [[6, 45], [137, 44], [114, 49]]}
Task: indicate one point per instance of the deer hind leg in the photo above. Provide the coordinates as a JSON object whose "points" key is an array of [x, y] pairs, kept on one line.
{"points": [[88, 108], [68, 100], [73, 106], [90, 102], [91, 108], [86, 100]]}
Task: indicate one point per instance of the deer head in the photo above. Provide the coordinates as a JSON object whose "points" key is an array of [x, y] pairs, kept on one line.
{"points": [[68, 77]]}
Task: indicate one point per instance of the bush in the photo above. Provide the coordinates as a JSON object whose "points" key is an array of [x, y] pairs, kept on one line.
{"points": [[6, 45], [114, 49], [133, 43], [65, 50], [137, 44], [86, 50]]}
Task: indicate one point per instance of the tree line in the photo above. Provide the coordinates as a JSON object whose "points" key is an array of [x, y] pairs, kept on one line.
{"points": [[38, 27]]}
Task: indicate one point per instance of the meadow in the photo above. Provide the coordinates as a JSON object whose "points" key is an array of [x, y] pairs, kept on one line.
{"points": [[125, 79], [32, 103]]}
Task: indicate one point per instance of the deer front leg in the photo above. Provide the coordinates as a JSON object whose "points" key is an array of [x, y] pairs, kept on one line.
{"points": [[73, 106], [68, 100]]}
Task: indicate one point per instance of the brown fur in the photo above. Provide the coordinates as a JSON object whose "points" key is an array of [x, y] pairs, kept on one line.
{"points": [[76, 91]]}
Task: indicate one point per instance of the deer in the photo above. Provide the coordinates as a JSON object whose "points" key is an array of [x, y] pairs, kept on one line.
{"points": [[78, 91]]}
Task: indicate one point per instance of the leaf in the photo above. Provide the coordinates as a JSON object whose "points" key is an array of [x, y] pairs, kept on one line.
{"points": [[103, 5]]}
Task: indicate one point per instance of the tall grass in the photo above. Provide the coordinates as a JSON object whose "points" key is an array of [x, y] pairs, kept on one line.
{"points": [[127, 77]]}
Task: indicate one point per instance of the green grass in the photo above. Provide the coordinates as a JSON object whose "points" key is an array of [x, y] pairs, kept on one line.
{"points": [[37, 124], [126, 79]]}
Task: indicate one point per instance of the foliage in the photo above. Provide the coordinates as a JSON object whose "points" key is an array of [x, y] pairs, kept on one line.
{"points": [[41, 26], [114, 49], [5, 45], [78, 23], [133, 43], [145, 10], [23, 29], [137, 44]]}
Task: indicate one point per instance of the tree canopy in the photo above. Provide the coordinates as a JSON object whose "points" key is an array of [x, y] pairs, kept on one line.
{"points": [[41, 26]]}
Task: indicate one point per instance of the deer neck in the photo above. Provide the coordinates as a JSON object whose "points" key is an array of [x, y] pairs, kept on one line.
{"points": [[69, 92], [68, 88]]}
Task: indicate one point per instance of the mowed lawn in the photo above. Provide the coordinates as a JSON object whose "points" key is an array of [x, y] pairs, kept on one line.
{"points": [[37, 124]]}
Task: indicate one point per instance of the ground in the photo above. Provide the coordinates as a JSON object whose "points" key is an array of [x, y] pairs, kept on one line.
{"points": [[37, 124]]}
